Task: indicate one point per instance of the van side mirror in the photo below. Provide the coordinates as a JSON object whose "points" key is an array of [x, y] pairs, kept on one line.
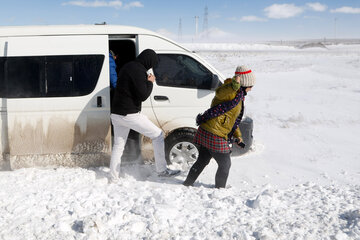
{"points": [[215, 82]]}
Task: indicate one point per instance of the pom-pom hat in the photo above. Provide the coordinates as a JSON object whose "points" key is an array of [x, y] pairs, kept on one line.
{"points": [[247, 78]]}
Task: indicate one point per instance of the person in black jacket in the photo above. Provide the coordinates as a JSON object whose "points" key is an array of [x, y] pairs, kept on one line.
{"points": [[133, 87]]}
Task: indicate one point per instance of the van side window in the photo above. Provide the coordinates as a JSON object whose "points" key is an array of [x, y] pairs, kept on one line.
{"points": [[59, 76], [22, 76], [49, 76], [177, 70]]}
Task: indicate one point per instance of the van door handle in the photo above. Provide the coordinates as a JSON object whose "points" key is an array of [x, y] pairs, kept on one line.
{"points": [[99, 102], [161, 98]]}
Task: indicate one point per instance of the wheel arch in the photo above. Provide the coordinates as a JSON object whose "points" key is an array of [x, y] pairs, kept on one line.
{"points": [[174, 131]]}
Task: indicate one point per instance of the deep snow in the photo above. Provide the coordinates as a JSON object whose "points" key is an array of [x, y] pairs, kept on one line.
{"points": [[300, 181]]}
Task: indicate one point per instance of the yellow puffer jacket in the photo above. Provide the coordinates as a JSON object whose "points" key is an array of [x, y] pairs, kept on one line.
{"points": [[222, 125]]}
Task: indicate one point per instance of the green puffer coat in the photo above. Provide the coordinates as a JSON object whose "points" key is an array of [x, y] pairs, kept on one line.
{"points": [[222, 125]]}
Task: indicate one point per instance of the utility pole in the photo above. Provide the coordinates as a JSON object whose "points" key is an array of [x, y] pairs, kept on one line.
{"points": [[196, 26], [180, 30], [335, 28], [205, 26]]}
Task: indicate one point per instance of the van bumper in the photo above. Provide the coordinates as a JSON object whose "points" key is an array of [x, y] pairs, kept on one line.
{"points": [[246, 128]]}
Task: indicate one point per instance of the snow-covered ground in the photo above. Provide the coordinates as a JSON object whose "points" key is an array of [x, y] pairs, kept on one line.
{"points": [[300, 181]]}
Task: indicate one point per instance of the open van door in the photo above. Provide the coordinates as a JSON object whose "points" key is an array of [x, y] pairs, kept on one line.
{"points": [[58, 100]]}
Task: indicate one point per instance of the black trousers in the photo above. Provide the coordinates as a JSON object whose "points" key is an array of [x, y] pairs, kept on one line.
{"points": [[224, 163]]}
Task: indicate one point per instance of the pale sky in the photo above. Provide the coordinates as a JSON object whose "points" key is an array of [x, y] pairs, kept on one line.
{"points": [[227, 20]]}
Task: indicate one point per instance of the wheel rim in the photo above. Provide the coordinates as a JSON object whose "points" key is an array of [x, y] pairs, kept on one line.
{"points": [[184, 153]]}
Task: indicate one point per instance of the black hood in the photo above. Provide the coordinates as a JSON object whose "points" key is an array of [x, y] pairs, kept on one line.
{"points": [[148, 58]]}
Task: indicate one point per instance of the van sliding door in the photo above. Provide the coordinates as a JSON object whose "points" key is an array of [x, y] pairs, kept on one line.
{"points": [[58, 101]]}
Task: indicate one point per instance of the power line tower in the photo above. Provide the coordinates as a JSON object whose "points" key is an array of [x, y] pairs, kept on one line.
{"points": [[180, 30], [205, 24]]}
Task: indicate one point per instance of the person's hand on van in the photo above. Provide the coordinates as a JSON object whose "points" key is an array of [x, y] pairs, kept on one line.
{"points": [[151, 78]]}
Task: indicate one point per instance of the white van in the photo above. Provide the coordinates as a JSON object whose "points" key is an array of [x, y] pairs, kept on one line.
{"points": [[55, 95]]}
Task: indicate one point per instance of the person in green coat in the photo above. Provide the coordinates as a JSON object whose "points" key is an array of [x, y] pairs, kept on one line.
{"points": [[219, 126]]}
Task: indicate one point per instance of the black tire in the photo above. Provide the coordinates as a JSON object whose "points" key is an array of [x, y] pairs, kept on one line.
{"points": [[180, 147]]}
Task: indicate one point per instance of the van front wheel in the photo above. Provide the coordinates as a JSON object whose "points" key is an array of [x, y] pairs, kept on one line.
{"points": [[180, 148]]}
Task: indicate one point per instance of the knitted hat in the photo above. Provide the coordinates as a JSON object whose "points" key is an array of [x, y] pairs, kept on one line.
{"points": [[247, 78]]}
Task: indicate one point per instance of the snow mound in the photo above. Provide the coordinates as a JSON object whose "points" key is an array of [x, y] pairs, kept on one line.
{"points": [[79, 204]]}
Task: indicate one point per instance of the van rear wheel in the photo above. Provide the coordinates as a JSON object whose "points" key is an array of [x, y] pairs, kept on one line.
{"points": [[180, 148]]}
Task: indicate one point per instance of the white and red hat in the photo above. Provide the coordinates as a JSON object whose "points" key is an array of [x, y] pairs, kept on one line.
{"points": [[247, 78]]}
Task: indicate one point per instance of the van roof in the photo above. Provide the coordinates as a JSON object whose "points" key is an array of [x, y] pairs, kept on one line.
{"points": [[54, 30], [48, 30]]}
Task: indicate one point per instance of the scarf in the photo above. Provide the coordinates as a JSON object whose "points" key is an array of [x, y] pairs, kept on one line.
{"points": [[222, 108]]}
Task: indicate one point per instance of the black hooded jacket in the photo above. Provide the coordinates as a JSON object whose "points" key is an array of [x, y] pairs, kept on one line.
{"points": [[132, 86]]}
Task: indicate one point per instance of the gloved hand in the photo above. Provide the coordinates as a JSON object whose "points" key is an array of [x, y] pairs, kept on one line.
{"points": [[239, 142]]}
